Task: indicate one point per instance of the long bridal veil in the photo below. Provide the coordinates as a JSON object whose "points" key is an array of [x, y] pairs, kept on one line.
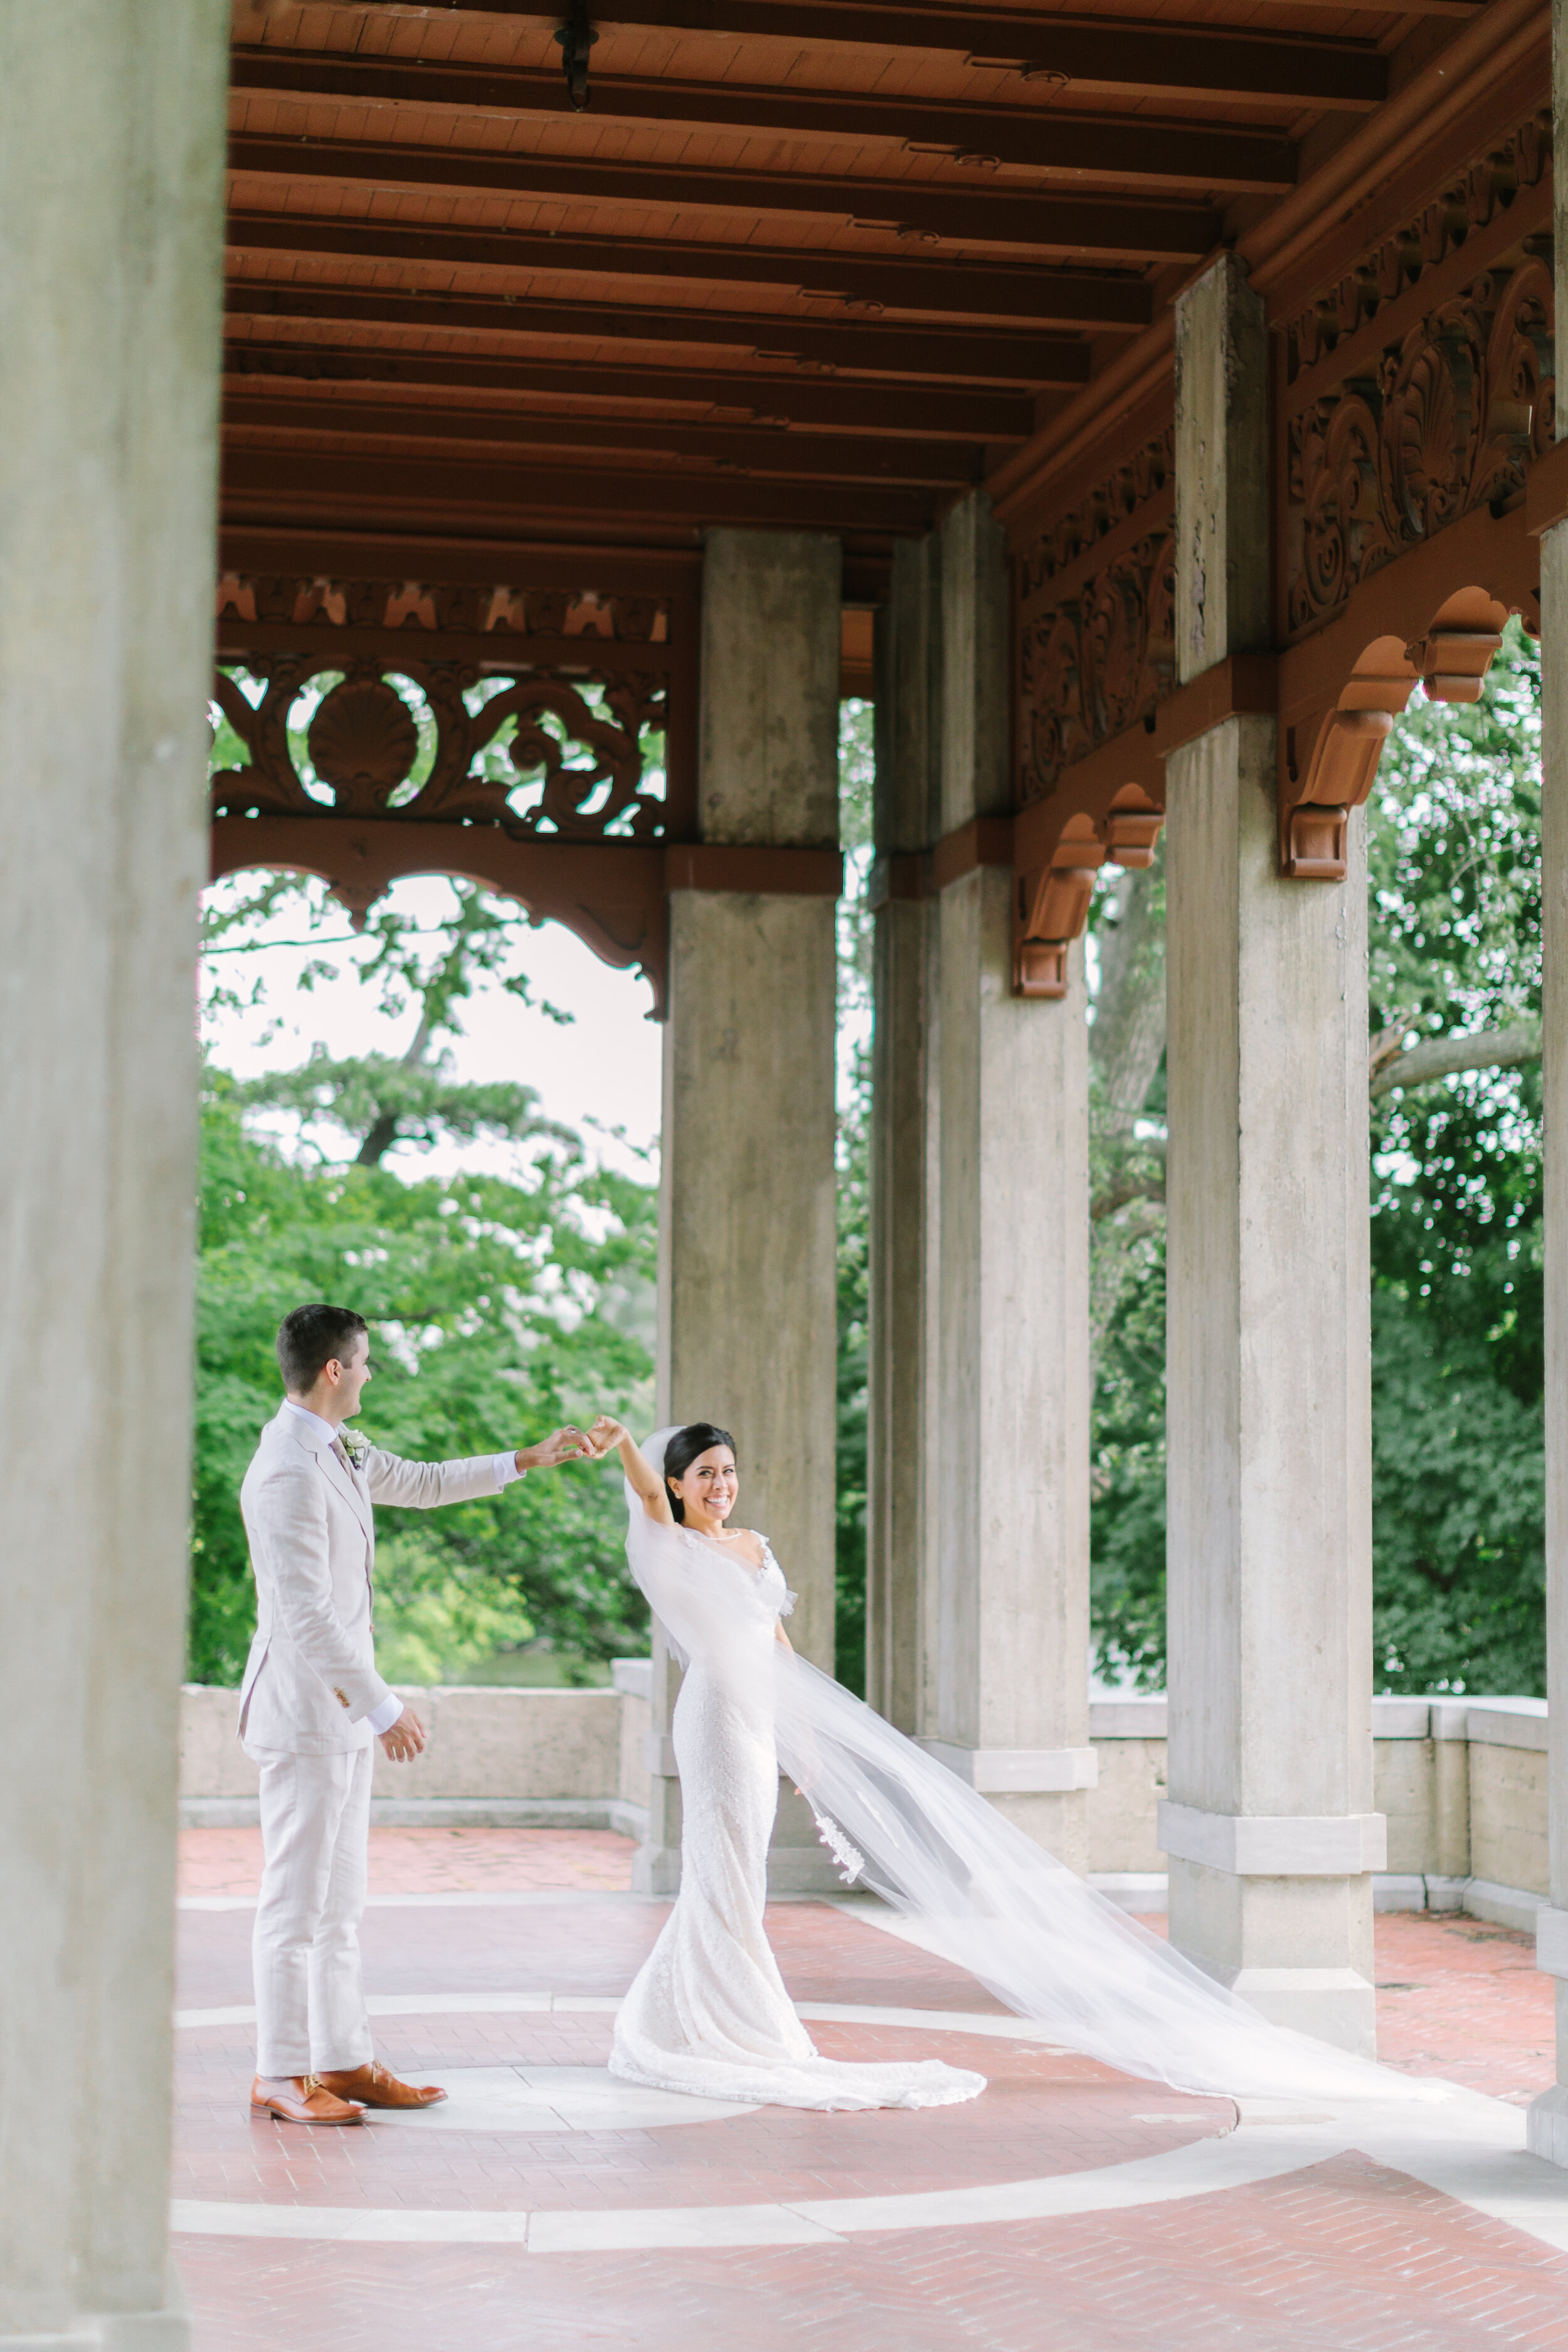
{"points": [[982, 1894]]}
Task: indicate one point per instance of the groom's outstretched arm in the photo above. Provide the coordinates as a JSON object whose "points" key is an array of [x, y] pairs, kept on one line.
{"points": [[421, 1486]]}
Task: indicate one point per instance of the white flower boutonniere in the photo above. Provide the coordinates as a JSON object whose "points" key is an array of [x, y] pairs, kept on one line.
{"points": [[356, 1445]]}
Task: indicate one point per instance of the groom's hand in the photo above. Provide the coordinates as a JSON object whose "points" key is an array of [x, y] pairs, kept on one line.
{"points": [[405, 1739], [567, 1445]]}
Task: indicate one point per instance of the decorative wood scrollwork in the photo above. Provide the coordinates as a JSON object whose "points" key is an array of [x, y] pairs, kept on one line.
{"points": [[1097, 637], [1444, 421], [1487, 189], [1444, 415], [363, 744], [298, 601]]}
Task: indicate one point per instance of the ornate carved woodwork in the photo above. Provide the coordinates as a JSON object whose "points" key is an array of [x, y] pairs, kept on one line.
{"points": [[1419, 394], [1484, 196], [1446, 420], [496, 732], [1096, 658], [1096, 618]]}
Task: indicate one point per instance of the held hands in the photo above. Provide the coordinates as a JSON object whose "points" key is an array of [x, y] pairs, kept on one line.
{"points": [[567, 1445], [405, 1738]]}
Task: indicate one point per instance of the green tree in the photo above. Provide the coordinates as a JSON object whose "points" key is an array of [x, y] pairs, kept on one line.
{"points": [[1455, 971], [856, 768], [1458, 1378], [490, 1307]]}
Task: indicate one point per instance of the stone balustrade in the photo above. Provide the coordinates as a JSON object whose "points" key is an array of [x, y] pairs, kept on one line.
{"points": [[1461, 1781], [551, 1758]]}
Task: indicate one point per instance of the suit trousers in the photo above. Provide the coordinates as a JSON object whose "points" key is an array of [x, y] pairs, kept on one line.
{"points": [[310, 2015]]}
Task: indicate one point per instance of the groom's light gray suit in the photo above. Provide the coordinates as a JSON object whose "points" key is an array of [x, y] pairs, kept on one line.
{"points": [[310, 1685]]}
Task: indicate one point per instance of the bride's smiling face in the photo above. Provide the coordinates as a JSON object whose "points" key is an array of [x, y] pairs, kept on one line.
{"points": [[710, 1486]]}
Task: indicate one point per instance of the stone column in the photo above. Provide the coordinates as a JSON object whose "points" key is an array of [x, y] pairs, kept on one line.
{"points": [[1269, 1824], [112, 128], [1009, 1546], [1547, 2124], [748, 1295], [904, 1131]]}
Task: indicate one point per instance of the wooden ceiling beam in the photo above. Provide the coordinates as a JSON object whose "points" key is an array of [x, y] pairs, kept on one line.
{"points": [[1208, 155], [759, 450], [1047, 222], [379, 492], [860, 284], [930, 412], [1122, 56], [829, 344]]}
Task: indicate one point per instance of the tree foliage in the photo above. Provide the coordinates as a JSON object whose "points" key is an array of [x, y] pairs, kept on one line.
{"points": [[1459, 1375], [1455, 1184], [854, 926], [491, 1309]]}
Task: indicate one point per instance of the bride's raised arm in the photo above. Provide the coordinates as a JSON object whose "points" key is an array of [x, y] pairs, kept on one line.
{"points": [[641, 1476]]}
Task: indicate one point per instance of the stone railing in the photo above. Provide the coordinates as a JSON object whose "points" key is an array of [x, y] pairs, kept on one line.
{"points": [[550, 1758], [1462, 1782]]}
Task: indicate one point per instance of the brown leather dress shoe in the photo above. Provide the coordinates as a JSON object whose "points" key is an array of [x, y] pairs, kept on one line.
{"points": [[376, 2086], [301, 2099]]}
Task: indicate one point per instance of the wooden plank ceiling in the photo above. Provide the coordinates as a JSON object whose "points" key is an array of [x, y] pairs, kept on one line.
{"points": [[794, 262]]}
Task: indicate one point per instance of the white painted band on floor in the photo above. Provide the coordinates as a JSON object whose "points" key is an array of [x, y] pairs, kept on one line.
{"points": [[519, 2004], [1194, 2171], [1470, 2147]]}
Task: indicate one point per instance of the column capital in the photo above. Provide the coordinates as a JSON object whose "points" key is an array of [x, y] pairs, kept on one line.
{"points": [[1551, 1940], [1275, 1846], [1018, 1771]]}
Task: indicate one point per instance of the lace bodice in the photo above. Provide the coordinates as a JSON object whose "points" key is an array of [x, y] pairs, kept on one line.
{"points": [[768, 1580]]}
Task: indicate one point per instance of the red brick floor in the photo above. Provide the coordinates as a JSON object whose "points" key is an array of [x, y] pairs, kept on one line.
{"points": [[1345, 2257], [429, 1861]]}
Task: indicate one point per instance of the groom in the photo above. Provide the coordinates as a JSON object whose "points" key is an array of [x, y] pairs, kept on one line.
{"points": [[311, 1702]]}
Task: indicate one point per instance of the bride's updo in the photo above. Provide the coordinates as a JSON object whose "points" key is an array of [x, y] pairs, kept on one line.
{"points": [[683, 1450]]}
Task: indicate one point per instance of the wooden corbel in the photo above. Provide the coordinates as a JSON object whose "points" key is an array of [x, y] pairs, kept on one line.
{"points": [[1328, 759], [1051, 902], [1314, 809]]}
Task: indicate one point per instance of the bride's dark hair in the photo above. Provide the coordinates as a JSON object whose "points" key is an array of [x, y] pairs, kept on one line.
{"points": [[683, 1450]]}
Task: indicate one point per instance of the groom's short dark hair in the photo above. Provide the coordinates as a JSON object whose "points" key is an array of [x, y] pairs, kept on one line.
{"points": [[308, 1340]]}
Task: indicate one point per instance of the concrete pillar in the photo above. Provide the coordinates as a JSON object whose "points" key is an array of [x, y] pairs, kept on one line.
{"points": [[747, 1239], [903, 1133], [1008, 1702], [1547, 2123], [1269, 1824], [111, 126]]}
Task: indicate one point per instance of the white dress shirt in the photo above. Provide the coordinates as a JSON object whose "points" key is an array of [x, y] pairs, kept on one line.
{"points": [[382, 1718]]}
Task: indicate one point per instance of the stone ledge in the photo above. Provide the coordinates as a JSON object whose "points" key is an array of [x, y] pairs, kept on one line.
{"points": [[1017, 1772], [445, 1812], [1137, 1891], [1504, 1907], [1143, 1718], [1508, 1723]]}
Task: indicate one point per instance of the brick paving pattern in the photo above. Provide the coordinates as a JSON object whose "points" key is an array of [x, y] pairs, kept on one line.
{"points": [[1345, 2257]]}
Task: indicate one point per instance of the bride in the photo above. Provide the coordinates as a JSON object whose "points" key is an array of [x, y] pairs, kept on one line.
{"points": [[708, 2012]]}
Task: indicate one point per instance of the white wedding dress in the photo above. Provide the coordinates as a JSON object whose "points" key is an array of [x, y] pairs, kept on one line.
{"points": [[708, 2012]]}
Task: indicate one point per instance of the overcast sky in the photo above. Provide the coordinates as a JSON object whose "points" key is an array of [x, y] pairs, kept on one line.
{"points": [[605, 1068]]}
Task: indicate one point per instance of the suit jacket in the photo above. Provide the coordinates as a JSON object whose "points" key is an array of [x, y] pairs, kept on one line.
{"points": [[310, 1678]]}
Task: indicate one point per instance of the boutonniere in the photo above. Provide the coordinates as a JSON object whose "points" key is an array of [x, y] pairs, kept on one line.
{"points": [[356, 1445]]}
